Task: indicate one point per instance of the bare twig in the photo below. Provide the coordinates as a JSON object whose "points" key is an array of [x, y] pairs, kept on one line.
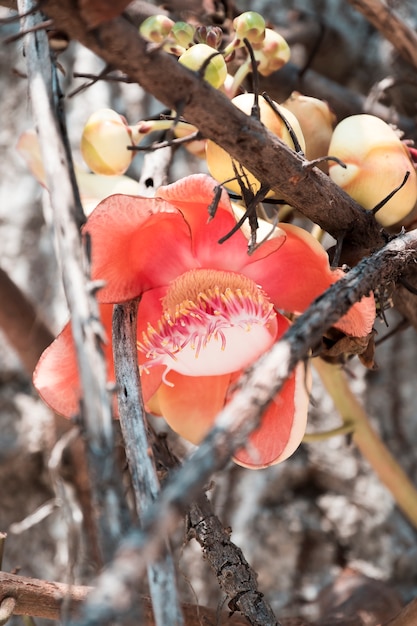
{"points": [[145, 482], [235, 576], [85, 319]]}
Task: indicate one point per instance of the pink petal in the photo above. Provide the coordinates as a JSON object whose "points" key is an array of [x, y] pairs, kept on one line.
{"points": [[283, 425], [192, 403], [295, 274], [56, 375], [137, 244], [192, 196]]}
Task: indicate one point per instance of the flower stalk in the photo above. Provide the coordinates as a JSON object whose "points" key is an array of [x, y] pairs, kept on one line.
{"points": [[367, 440]]}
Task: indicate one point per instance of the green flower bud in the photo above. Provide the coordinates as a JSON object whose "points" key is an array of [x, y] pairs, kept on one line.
{"points": [[183, 33], [195, 57], [156, 28], [250, 26]]}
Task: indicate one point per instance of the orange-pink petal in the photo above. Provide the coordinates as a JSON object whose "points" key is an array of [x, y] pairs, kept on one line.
{"points": [[282, 427], [193, 196], [297, 272], [360, 318], [191, 404], [137, 244], [56, 375]]}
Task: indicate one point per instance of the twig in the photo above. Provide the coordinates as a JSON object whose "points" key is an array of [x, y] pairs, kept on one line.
{"points": [[41, 598], [145, 482], [85, 319], [391, 26], [235, 576], [257, 387]]}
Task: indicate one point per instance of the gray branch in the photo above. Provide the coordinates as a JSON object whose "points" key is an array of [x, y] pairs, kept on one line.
{"points": [[161, 573], [87, 330]]}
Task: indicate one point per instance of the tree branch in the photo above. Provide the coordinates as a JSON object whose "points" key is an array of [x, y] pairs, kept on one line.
{"points": [[145, 482], [248, 141], [391, 26], [86, 328]]}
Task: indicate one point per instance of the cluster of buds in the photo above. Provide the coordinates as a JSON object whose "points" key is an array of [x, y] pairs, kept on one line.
{"points": [[372, 161], [195, 46]]}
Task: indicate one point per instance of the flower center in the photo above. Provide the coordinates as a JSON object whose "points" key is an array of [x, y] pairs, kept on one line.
{"points": [[213, 322]]}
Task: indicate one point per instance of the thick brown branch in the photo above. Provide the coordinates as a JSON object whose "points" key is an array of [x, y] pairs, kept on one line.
{"points": [[40, 598]]}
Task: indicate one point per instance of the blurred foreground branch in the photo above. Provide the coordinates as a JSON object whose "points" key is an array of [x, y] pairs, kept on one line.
{"points": [[391, 26], [86, 328]]}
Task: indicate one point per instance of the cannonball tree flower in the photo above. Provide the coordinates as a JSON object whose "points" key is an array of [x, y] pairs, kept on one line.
{"points": [[206, 311]]}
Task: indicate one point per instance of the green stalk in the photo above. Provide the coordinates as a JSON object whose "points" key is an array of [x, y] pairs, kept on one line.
{"points": [[367, 440]]}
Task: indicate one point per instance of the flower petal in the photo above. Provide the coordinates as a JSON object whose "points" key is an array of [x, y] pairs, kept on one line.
{"points": [[297, 272], [191, 404], [283, 425], [192, 196], [56, 375], [137, 244], [360, 318]]}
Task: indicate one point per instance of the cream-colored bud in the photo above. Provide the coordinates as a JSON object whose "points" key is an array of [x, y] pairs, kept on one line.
{"points": [[220, 163], [272, 53], [104, 143], [316, 120], [376, 163]]}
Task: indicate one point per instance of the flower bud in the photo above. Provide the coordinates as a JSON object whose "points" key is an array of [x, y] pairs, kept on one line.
{"points": [[376, 162], [195, 57], [272, 53], [183, 33], [211, 35], [220, 163], [104, 142], [156, 28], [316, 120], [250, 26]]}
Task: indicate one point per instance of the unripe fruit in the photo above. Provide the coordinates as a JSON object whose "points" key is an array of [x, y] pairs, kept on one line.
{"points": [[219, 162], [376, 163], [104, 142], [195, 57]]}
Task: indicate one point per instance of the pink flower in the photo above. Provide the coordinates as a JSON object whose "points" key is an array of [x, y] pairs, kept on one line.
{"points": [[206, 312]]}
